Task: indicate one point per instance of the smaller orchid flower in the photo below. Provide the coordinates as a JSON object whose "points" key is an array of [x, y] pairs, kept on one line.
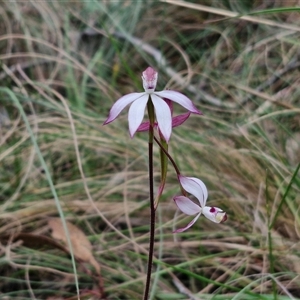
{"points": [[197, 188], [139, 102]]}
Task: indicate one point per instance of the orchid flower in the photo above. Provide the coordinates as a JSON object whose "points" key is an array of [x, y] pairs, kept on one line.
{"points": [[139, 101], [197, 188]]}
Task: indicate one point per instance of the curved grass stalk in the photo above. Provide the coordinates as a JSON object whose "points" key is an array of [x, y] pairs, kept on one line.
{"points": [[48, 176]]}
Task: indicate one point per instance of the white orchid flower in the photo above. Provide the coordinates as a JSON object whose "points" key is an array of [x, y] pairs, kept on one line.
{"points": [[139, 101], [197, 188]]}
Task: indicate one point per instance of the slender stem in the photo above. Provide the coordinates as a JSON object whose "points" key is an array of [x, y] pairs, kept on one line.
{"points": [[173, 163], [152, 205]]}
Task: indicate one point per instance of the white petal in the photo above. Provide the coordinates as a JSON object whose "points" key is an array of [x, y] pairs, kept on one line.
{"points": [[203, 186], [163, 116], [136, 113], [195, 187], [188, 225], [214, 214], [187, 206], [180, 99], [120, 104]]}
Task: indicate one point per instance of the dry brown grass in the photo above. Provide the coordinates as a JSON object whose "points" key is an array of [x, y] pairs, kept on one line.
{"points": [[67, 62]]}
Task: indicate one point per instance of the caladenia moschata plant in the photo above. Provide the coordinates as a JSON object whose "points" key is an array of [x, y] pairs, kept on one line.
{"points": [[161, 121]]}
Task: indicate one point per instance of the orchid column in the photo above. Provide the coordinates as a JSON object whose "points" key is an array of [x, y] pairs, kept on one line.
{"points": [[161, 122]]}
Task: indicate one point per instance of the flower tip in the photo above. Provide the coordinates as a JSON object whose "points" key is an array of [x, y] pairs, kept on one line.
{"points": [[149, 79], [150, 72], [106, 121], [220, 216], [131, 134], [224, 217], [167, 138], [196, 110], [214, 214], [178, 230]]}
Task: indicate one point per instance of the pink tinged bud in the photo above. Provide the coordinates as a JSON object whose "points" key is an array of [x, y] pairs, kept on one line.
{"points": [[149, 80]]}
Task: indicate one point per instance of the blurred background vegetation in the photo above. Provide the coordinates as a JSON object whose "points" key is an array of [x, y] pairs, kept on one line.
{"points": [[63, 64]]}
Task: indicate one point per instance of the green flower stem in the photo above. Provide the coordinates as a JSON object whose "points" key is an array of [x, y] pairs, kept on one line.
{"points": [[152, 204]]}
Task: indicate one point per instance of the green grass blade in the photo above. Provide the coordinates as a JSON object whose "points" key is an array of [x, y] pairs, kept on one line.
{"points": [[48, 176]]}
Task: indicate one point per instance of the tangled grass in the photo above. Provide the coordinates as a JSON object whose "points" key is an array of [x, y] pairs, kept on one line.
{"points": [[63, 64]]}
